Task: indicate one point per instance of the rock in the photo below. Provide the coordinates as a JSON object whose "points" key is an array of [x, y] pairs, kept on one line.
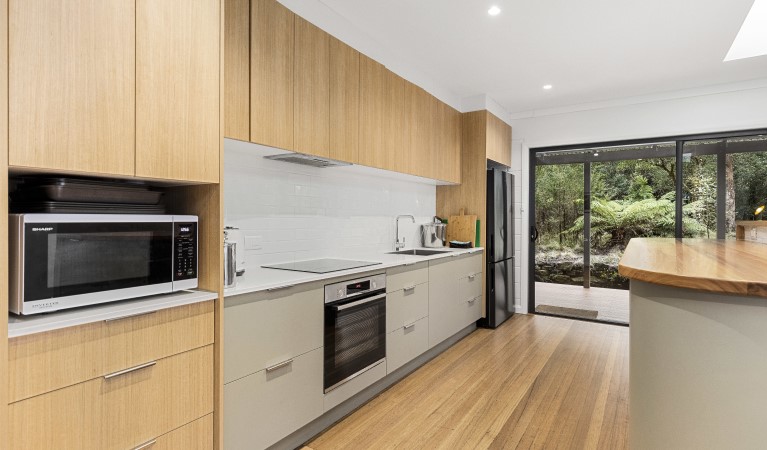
{"points": [[561, 279]]}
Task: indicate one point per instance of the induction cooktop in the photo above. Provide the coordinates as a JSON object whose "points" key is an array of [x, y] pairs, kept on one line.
{"points": [[324, 265]]}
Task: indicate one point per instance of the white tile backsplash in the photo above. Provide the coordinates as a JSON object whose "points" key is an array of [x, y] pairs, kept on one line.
{"points": [[290, 212]]}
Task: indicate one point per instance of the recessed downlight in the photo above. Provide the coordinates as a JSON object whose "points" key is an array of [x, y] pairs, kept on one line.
{"points": [[547, 86], [494, 10]]}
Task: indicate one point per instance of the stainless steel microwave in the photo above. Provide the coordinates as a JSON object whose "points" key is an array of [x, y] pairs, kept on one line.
{"points": [[60, 261]]}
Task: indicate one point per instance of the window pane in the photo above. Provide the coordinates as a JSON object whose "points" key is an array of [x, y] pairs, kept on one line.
{"points": [[746, 178], [699, 187]]}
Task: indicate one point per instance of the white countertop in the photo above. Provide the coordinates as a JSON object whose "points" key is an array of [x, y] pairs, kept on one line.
{"points": [[39, 323], [258, 279]]}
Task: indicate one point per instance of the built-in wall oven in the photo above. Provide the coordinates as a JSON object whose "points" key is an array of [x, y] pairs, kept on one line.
{"points": [[355, 328]]}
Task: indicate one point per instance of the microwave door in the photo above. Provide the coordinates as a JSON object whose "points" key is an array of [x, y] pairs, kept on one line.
{"points": [[67, 264]]}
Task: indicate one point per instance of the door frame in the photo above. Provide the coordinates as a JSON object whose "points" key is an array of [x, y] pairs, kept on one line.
{"points": [[680, 141]]}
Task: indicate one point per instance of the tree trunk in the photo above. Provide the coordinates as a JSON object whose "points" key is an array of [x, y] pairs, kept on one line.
{"points": [[729, 217]]}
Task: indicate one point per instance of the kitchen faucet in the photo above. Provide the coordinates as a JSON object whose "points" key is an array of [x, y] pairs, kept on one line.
{"points": [[397, 244]]}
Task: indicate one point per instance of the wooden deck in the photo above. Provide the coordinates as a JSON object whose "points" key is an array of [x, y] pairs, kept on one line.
{"points": [[612, 305], [535, 382]]}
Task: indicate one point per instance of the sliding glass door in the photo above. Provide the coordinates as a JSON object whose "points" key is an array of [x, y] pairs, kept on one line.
{"points": [[587, 202]]}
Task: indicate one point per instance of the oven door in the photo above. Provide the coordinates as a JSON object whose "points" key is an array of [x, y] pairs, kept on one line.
{"points": [[355, 337], [68, 263]]}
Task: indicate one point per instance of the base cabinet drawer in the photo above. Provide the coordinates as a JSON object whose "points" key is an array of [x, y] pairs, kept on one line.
{"points": [[406, 306], [408, 275], [40, 363], [197, 435], [262, 408], [470, 286], [470, 311], [255, 340], [405, 344], [117, 412]]}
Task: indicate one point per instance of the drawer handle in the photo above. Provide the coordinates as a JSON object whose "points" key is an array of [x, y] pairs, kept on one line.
{"points": [[279, 288], [409, 326], [128, 316], [470, 301], [129, 370], [409, 288], [280, 365], [146, 445], [472, 277], [455, 255], [411, 264]]}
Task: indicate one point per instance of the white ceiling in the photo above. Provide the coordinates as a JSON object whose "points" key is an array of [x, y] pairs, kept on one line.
{"points": [[589, 50]]}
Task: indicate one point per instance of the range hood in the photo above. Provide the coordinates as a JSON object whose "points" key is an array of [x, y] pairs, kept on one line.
{"points": [[307, 160]]}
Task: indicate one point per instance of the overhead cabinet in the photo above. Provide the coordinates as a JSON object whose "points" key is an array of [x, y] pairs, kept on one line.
{"points": [[313, 94], [116, 87]]}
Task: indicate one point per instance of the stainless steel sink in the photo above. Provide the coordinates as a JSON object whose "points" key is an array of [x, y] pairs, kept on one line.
{"points": [[418, 252]]}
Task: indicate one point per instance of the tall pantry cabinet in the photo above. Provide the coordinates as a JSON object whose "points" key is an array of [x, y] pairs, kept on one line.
{"points": [[131, 90]]}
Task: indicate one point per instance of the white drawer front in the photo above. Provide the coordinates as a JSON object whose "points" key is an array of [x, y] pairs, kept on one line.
{"points": [[470, 264], [267, 406], [406, 306], [405, 276], [354, 386], [405, 344], [471, 311], [266, 328], [470, 286]]}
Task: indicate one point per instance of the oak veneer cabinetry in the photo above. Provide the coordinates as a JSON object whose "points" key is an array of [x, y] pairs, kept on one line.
{"points": [[272, 47], [72, 85], [344, 102], [74, 388], [178, 44], [313, 94], [498, 140], [116, 87]]}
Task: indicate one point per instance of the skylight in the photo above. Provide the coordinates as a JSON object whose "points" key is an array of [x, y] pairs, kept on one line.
{"points": [[752, 38]]}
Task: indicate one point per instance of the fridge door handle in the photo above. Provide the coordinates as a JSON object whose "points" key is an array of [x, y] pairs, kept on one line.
{"points": [[533, 233]]}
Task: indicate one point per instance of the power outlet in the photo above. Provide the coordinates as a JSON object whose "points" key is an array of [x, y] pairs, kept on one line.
{"points": [[253, 242]]}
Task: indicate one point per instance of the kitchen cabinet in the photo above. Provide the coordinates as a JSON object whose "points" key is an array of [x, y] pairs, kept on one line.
{"points": [[272, 46], [116, 87], [311, 90], [372, 99], [271, 327], [419, 131], [123, 411], [344, 102], [264, 407], [237, 73], [178, 71], [72, 85], [394, 123], [449, 311], [498, 140], [406, 343]]}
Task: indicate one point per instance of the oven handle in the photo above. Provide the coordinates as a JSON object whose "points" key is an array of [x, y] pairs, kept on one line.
{"points": [[358, 302]]}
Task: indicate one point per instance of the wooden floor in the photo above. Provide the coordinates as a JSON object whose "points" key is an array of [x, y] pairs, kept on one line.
{"points": [[611, 305], [535, 382]]}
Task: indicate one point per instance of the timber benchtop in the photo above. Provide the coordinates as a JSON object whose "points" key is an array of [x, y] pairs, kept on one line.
{"points": [[730, 267]]}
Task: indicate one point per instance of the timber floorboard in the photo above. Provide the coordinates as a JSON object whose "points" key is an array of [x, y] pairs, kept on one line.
{"points": [[535, 382]]}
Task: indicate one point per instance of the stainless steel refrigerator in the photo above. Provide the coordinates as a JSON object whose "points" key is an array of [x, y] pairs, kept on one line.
{"points": [[499, 286]]}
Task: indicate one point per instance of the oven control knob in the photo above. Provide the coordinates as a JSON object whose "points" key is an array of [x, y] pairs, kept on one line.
{"points": [[375, 285], [341, 292]]}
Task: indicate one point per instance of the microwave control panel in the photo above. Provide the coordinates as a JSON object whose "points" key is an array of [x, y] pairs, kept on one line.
{"points": [[185, 250]]}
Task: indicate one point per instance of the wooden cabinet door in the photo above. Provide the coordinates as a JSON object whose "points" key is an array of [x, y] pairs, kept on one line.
{"points": [[498, 140], [72, 85], [178, 90], [418, 125], [372, 79], [311, 90], [447, 148], [272, 39], [394, 123], [344, 102], [237, 69]]}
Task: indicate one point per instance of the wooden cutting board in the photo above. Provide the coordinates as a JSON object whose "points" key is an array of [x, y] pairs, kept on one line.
{"points": [[462, 228]]}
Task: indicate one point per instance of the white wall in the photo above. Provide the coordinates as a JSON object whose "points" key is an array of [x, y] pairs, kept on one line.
{"points": [[290, 212], [740, 108]]}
